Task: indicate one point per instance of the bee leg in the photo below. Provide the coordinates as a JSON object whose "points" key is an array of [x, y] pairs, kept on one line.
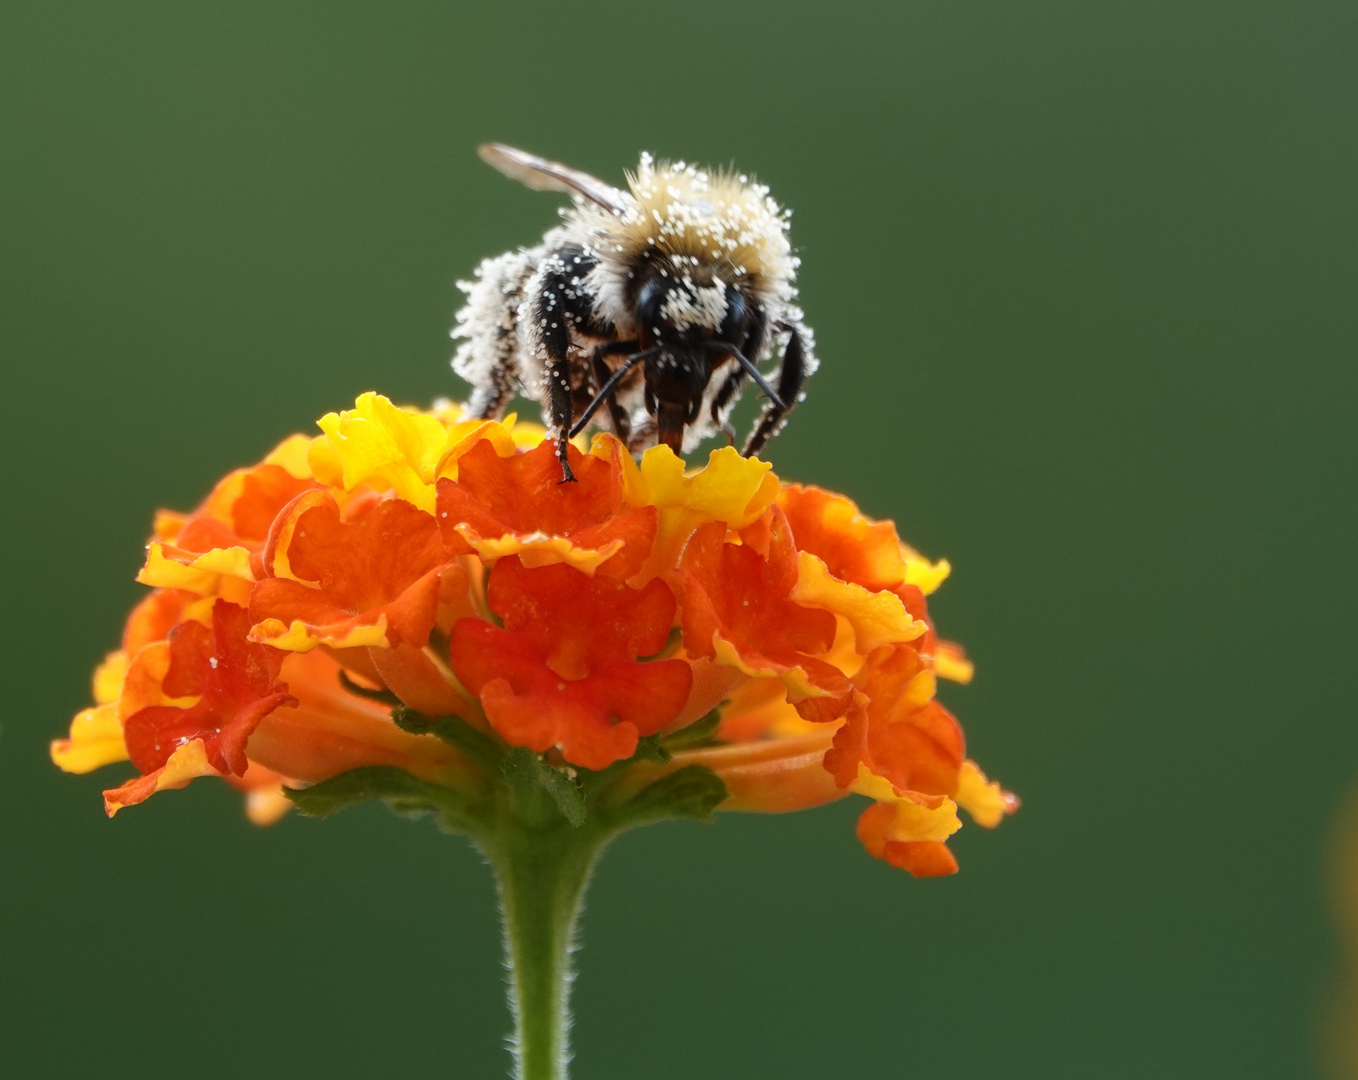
{"points": [[562, 304], [558, 379], [554, 337], [622, 424], [792, 372]]}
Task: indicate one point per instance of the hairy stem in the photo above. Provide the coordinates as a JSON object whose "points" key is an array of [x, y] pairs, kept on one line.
{"points": [[541, 875]]}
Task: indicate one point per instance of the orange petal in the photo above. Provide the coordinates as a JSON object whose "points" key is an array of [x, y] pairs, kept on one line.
{"points": [[235, 685], [422, 682], [737, 611], [877, 618], [187, 762], [772, 776], [332, 730], [564, 671], [922, 858], [372, 579], [506, 503], [896, 729]]}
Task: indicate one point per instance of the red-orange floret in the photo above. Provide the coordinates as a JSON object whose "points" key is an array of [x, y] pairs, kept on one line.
{"points": [[264, 491], [339, 575], [922, 858], [235, 681], [737, 593], [854, 548], [522, 495], [563, 672], [915, 745], [868, 555], [239, 512], [153, 618]]}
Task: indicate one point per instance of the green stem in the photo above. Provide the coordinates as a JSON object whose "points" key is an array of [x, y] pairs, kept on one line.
{"points": [[541, 874]]}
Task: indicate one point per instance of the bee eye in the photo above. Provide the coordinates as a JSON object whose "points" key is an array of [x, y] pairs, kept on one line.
{"points": [[650, 299], [737, 316]]}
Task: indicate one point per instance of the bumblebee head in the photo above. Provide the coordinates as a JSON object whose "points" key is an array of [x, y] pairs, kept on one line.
{"points": [[690, 306], [692, 321]]}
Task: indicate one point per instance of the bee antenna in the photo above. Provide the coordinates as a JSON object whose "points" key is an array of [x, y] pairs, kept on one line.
{"points": [[611, 385], [745, 362]]}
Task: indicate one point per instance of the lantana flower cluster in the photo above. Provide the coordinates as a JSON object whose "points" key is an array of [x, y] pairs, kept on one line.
{"points": [[421, 558]]}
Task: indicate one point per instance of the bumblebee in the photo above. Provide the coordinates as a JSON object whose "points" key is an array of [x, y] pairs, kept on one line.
{"points": [[644, 312]]}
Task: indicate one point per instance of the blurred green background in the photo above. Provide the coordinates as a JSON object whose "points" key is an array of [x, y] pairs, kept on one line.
{"points": [[1083, 279]]}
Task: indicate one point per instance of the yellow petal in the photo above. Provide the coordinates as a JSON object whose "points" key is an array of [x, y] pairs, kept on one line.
{"points": [[524, 434], [464, 436], [729, 488], [539, 549], [528, 435], [291, 455], [918, 821], [795, 679], [143, 686], [96, 740], [951, 663], [917, 817], [167, 525], [877, 618], [382, 445], [324, 464], [299, 637], [928, 576], [109, 676], [200, 574], [983, 799], [920, 690], [450, 411]]}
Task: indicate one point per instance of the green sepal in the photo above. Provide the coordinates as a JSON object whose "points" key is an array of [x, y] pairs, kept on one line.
{"points": [[530, 778], [699, 733], [482, 749], [691, 792], [650, 748], [406, 794]]}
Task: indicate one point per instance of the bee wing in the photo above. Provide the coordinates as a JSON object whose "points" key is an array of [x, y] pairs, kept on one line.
{"points": [[543, 175]]}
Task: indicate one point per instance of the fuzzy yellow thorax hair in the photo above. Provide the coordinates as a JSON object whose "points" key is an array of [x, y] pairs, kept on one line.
{"points": [[694, 216]]}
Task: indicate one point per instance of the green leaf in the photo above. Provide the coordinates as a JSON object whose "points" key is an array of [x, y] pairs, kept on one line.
{"points": [[481, 748], [404, 793], [691, 792], [530, 778], [699, 733]]}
